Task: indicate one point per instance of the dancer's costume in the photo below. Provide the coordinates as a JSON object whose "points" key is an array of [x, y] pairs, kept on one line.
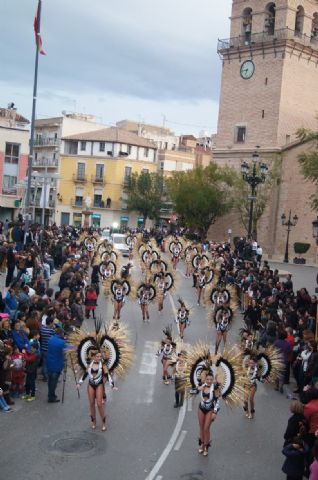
{"points": [[182, 317], [167, 348], [227, 368], [112, 342]]}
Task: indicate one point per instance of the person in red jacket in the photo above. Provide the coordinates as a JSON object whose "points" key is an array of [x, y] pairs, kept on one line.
{"points": [[311, 415], [90, 301]]}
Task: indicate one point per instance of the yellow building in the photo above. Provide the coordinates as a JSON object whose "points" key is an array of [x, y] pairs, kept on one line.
{"points": [[94, 168]]}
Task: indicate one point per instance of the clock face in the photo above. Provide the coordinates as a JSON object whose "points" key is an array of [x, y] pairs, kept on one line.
{"points": [[247, 69]]}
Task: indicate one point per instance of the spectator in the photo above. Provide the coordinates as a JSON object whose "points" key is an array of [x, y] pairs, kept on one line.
{"points": [[31, 364], [314, 465], [90, 301], [297, 423], [46, 332], [55, 362], [295, 453]]}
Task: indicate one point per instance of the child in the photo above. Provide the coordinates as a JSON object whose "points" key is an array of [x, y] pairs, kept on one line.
{"points": [[31, 365], [3, 404], [295, 454], [90, 301], [18, 375]]}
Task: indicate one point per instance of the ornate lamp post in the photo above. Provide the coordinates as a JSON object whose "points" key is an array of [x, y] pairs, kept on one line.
{"points": [[291, 222], [253, 179]]}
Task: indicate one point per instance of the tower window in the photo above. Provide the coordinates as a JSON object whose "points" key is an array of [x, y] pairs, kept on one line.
{"points": [[263, 113], [299, 21], [240, 134], [266, 81], [270, 19], [247, 25]]}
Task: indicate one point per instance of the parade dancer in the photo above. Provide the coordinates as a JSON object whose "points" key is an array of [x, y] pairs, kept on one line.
{"points": [[208, 408], [182, 318], [250, 387], [98, 374], [202, 372], [99, 356], [167, 348], [161, 289], [120, 289], [260, 365], [144, 300], [179, 379], [176, 251], [200, 285], [222, 320]]}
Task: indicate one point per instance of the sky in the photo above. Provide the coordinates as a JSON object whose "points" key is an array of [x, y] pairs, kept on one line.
{"points": [[154, 61]]}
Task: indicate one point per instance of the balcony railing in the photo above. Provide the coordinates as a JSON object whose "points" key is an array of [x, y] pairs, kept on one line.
{"points": [[45, 162], [97, 206], [99, 180], [9, 190], [265, 37], [37, 201], [79, 178], [46, 142]]}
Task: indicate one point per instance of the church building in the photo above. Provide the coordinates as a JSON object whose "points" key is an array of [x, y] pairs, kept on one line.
{"points": [[268, 92]]}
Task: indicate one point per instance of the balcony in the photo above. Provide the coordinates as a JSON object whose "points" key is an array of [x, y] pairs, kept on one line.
{"points": [[45, 162], [46, 142], [98, 180], [77, 178], [36, 203], [265, 38]]}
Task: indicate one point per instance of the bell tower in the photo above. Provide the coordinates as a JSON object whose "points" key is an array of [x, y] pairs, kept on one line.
{"points": [[269, 76]]}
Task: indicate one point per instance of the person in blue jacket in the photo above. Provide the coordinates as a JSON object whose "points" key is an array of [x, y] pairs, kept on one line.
{"points": [[295, 453], [20, 338], [55, 362]]}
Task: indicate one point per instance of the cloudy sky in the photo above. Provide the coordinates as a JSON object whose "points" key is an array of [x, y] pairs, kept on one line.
{"points": [[136, 59]]}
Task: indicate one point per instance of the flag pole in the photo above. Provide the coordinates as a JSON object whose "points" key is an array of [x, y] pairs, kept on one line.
{"points": [[31, 142]]}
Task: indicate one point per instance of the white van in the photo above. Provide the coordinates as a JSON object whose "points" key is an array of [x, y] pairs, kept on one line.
{"points": [[119, 243]]}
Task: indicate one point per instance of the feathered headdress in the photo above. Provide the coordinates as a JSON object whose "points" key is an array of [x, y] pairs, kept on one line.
{"points": [[111, 342], [269, 362], [227, 369]]}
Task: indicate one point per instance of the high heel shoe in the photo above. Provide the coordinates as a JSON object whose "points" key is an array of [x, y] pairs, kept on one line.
{"points": [[104, 428], [201, 449], [93, 425]]}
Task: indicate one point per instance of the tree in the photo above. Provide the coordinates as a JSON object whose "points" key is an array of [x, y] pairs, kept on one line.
{"points": [[243, 191], [309, 162], [145, 194], [201, 195]]}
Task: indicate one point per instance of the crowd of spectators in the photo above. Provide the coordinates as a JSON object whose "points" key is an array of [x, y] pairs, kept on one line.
{"points": [[34, 316]]}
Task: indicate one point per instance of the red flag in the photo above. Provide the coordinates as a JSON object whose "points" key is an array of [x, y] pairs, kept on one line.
{"points": [[38, 38]]}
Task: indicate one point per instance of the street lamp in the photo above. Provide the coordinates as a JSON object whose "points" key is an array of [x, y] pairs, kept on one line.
{"points": [[291, 222], [253, 179]]}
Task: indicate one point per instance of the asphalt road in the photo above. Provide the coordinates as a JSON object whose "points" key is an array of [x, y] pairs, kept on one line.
{"points": [[147, 439]]}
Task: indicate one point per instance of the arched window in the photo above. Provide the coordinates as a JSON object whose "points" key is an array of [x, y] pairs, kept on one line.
{"points": [[247, 25], [299, 20], [314, 28], [270, 18]]}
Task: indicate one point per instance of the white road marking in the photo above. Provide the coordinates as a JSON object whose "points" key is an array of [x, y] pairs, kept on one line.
{"points": [[180, 440], [181, 273], [173, 305], [163, 457], [160, 477], [148, 366], [190, 403]]}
